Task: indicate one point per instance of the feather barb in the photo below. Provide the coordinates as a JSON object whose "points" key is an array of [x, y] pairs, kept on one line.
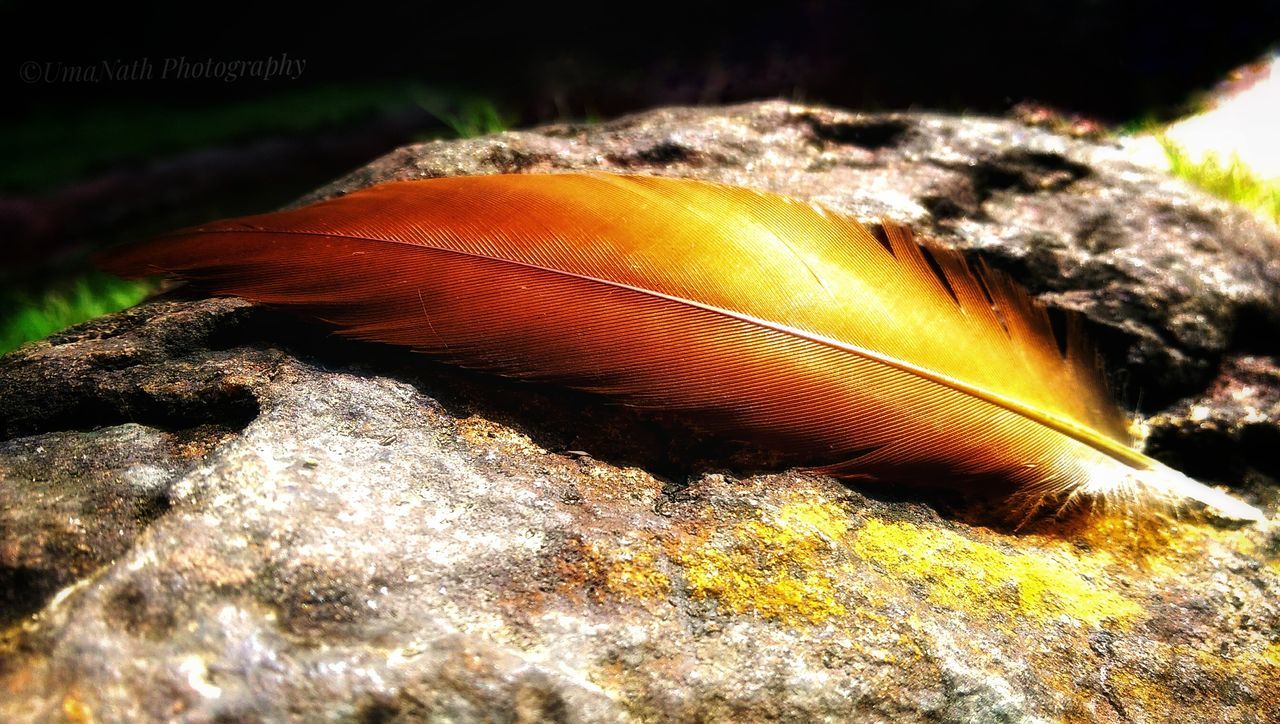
{"points": [[764, 316]]}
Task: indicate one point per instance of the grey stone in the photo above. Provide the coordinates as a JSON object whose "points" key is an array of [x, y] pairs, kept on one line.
{"points": [[274, 524]]}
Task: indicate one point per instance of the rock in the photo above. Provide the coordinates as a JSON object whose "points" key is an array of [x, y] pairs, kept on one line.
{"points": [[1231, 429], [248, 519]]}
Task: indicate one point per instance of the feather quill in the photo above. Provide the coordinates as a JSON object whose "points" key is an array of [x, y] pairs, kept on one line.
{"points": [[766, 317]]}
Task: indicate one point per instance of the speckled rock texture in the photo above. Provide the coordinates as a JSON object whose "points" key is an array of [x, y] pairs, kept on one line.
{"points": [[211, 511]]}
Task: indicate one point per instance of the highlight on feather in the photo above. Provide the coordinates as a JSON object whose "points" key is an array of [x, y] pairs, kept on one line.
{"points": [[763, 316]]}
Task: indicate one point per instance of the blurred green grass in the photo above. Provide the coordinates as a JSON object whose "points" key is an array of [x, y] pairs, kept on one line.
{"points": [[1231, 179], [44, 152], [82, 298], [468, 117]]}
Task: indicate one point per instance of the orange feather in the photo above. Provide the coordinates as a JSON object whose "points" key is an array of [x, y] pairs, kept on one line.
{"points": [[766, 317]]}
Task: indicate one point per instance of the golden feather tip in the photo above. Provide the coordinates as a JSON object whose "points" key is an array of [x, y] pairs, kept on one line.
{"points": [[1164, 480], [1160, 486]]}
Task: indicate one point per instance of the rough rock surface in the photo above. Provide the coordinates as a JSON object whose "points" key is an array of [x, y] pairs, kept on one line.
{"points": [[209, 511]]}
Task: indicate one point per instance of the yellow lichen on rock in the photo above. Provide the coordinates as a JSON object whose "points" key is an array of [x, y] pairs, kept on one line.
{"points": [[634, 574], [789, 564], [1271, 655], [1168, 546], [1249, 675], [624, 571], [977, 578], [777, 567], [485, 434], [74, 709]]}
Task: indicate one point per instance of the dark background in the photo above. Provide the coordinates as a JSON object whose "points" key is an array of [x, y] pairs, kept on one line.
{"points": [[1112, 60]]}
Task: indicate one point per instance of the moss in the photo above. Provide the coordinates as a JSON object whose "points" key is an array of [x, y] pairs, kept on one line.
{"points": [[981, 579]]}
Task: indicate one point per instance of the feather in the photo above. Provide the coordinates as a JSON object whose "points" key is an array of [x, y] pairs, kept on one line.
{"points": [[767, 318]]}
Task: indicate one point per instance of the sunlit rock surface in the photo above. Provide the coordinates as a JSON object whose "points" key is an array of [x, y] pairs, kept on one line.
{"points": [[211, 511]]}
